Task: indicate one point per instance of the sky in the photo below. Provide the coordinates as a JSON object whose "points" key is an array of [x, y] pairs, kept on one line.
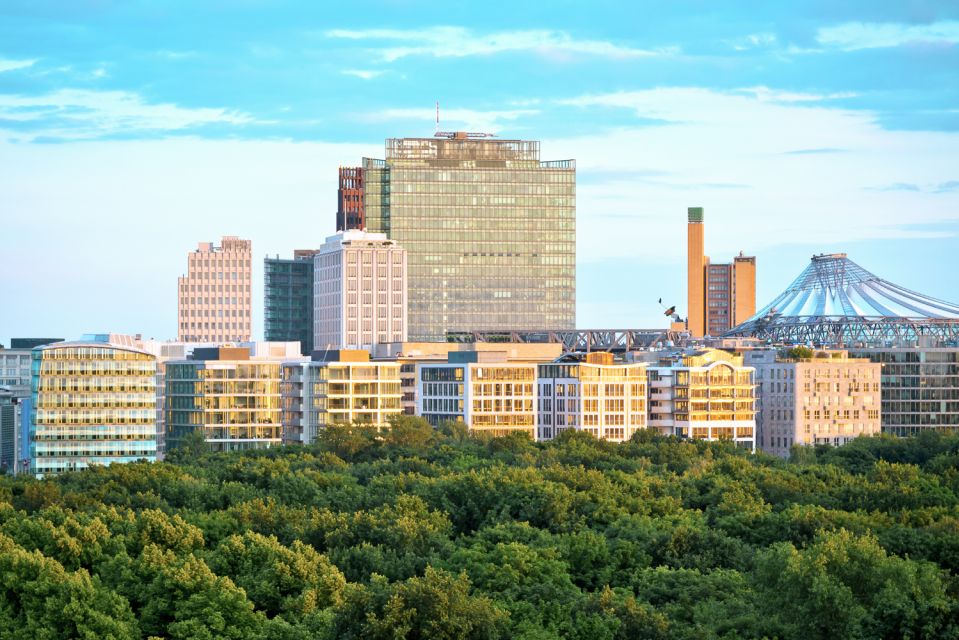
{"points": [[130, 131]]}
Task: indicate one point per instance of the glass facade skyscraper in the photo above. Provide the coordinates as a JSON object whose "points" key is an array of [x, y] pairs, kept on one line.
{"points": [[93, 402], [288, 299], [489, 229]]}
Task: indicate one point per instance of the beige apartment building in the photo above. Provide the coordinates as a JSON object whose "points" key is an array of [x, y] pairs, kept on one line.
{"points": [[705, 394], [481, 388], [359, 296], [337, 387], [214, 297], [827, 399], [599, 396]]}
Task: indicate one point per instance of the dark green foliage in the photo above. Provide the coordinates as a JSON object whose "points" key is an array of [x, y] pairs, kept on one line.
{"points": [[420, 533]]}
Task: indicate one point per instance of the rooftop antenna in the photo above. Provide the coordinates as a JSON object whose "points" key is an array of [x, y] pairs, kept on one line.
{"points": [[437, 129]]}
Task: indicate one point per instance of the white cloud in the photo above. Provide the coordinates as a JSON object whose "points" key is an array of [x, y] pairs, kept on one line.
{"points": [[365, 74], [443, 42], [13, 65], [774, 95], [453, 119], [753, 41], [83, 114], [872, 35], [716, 139]]}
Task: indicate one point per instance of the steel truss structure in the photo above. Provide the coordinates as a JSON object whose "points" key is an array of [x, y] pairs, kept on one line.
{"points": [[580, 340], [835, 302]]}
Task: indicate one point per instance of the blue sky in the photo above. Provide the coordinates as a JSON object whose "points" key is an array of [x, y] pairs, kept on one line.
{"points": [[129, 131]]}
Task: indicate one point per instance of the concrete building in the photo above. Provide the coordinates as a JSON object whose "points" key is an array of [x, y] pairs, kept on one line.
{"points": [[720, 295], [288, 299], [409, 354], [93, 402], [337, 387], [492, 396], [827, 399], [359, 291], [490, 231], [349, 200], [214, 296], [10, 430], [231, 394], [707, 394], [599, 396], [920, 385]]}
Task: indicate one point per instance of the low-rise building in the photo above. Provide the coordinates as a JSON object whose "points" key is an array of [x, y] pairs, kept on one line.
{"points": [[704, 394], [599, 396], [491, 395], [828, 398], [337, 387]]}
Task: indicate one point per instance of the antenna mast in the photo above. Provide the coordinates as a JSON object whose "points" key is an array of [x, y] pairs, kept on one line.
{"points": [[437, 130]]}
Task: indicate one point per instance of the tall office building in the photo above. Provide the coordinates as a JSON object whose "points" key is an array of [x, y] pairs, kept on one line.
{"points": [[288, 299], [92, 402], [214, 296], [827, 399], [490, 231], [719, 295], [349, 210], [359, 291]]}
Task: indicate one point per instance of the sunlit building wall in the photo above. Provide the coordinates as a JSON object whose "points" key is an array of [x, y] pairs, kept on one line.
{"points": [[214, 296], [92, 403]]}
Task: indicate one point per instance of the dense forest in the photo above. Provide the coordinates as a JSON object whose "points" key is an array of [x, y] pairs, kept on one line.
{"points": [[425, 534]]}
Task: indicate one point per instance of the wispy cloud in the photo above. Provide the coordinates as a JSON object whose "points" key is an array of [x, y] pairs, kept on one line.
{"points": [[873, 35], [896, 186], [365, 74], [458, 42], [73, 114], [809, 152], [946, 187], [13, 65], [460, 119], [775, 95], [753, 41]]}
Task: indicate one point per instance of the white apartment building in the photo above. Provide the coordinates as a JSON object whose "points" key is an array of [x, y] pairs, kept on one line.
{"points": [[359, 286], [482, 389], [827, 399], [705, 395], [338, 387], [214, 297], [599, 396]]}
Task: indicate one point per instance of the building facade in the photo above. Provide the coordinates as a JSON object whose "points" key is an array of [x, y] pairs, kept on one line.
{"points": [[340, 387], [828, 399], [92, 402], [920, 386], [233, 399], [360, 292], [492, 396], [490, 231], [349, 200], [288, 299], [719, 295], [599, 396], [214, 297], [705, 395]]}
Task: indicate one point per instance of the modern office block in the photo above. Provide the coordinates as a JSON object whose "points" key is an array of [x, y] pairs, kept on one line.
{"points": [[230, 394], [359, 291], [349, 199], [490, 231], [707, 394], [214, 296], [288, 299], [827, 399], [599, 396], [92, 402], [719, 295], [9, 431], [338, 387], [492, 396], [920, 386]]}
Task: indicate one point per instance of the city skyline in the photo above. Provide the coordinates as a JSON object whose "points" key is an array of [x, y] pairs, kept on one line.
{"points": [[128, 135]]}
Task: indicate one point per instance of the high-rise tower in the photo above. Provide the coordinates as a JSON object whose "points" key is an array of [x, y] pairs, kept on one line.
{"points": [[489, 229], [349, 211], [214, 296], [695, 274]]}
